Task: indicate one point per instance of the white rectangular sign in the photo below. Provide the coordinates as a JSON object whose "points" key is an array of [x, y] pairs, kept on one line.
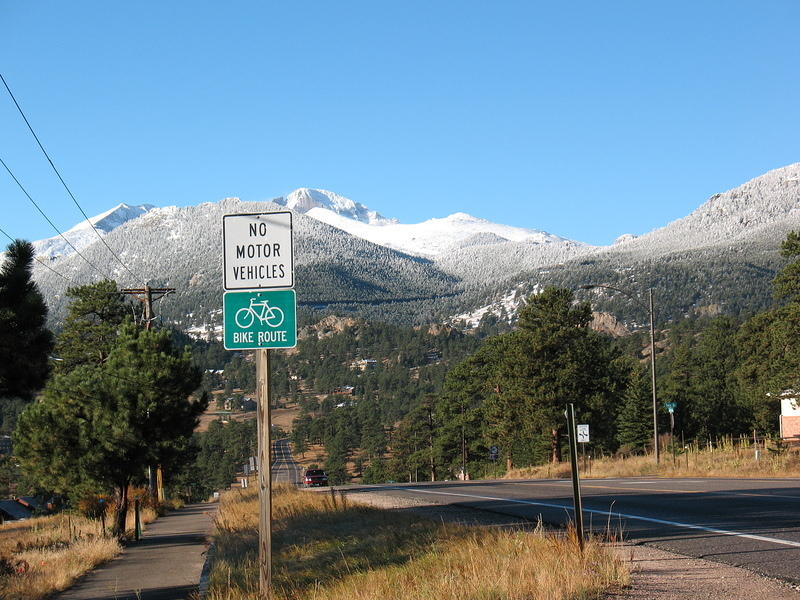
{"points": [[583, 433], [257, 251]]}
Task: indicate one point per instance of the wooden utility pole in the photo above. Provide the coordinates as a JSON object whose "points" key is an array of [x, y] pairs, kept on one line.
{"points": [[264, 399], [146, 296]]}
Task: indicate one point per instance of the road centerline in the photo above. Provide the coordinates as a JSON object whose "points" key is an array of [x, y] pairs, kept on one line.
{"points": [[691, 526], [588, 485]]}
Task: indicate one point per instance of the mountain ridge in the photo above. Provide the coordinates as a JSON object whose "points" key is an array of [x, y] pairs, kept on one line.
{"points": [[723, 253], [81, 234]]}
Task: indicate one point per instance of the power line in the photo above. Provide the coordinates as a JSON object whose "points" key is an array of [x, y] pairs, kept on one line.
{"points": [[66, 187], [24, 191], [41, 262]]}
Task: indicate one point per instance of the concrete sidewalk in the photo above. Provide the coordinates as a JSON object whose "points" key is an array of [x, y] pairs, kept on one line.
{"points": [[164, 565]]}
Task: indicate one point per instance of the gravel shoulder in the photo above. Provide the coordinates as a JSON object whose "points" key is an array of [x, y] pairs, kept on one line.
{"points": [[656, 574]]}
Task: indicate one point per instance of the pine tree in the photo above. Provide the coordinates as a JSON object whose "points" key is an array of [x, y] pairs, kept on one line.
{"points": [[100, 425], [461, 409], [556, 359], [718, 408], [635, 420], [769, 345], [25, 342], [336, 463], [94, 316], [786, 285]]}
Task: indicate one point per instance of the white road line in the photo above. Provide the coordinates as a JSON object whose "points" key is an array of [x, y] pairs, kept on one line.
{"points": [[597, 483], [749, 536]]}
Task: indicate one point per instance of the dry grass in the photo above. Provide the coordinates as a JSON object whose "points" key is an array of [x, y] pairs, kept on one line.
{"points": [[328, 549], [725, 460], [283, 417], [211, 415], [56, 568], [315, 455], [50, 553]]}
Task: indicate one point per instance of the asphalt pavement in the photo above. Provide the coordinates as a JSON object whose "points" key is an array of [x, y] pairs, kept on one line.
{"points": [[753, 523], [285, 469], [164, 565]]}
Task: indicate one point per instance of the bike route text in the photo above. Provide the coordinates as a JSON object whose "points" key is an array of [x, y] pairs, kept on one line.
{"points": [[260, 337]]}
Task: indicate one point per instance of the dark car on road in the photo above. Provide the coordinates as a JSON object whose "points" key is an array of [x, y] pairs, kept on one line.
{"points": [[315, 477]]}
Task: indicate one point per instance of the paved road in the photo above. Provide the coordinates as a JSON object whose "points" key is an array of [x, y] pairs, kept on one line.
{"points": [[753, 523], [164, 565], [285, 469]]}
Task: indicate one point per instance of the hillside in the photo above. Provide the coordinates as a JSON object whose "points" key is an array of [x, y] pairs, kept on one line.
{"points": [[719, 258], [182, 248]]}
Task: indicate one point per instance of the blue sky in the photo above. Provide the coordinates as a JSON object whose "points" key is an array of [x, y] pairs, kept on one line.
{"points": [[585, 119]]}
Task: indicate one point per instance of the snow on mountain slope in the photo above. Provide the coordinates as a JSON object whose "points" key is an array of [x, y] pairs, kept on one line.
{"points": [[432, 237], [82, 235], [304, 200], [765, 207], [504, 308], [181, 247], [482, 263]]}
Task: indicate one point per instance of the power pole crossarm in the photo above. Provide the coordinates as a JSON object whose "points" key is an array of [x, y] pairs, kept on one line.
{"points": [[147, 296]]}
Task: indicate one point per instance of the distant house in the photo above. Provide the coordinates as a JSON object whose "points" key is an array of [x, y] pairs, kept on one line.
{"points": [[35, 504], [790, 416], [364, 364], [433, 356], [13, 510], [345, 390]]}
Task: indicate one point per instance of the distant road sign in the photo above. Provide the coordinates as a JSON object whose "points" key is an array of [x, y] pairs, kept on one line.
{"points": [[255, 320], [257, 251], [583, 433], [671, 406]]}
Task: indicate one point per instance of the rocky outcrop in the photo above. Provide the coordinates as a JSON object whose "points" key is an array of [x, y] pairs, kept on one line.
{"points": [[608, 324], [327, 327]]}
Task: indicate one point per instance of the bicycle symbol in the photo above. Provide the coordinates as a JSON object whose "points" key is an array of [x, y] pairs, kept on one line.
{"points": [[271, 316]]}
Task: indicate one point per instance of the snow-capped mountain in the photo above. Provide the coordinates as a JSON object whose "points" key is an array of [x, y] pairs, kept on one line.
{"points": [[181, 247], [764, 208], [430, 238], [82, 235], [313, 202], [721, 257]]}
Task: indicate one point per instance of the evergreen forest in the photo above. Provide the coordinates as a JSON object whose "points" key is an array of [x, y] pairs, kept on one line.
{"points": [[93, 406]]}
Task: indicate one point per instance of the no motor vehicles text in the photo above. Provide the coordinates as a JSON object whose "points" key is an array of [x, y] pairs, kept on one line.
{"points": [[259, 272], [258, 250]]}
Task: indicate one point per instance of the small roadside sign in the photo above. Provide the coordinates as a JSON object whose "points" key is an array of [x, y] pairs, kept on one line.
{"points": [[257, 251], [259, 320], [671, 406], [493, 453], [583, 433]]}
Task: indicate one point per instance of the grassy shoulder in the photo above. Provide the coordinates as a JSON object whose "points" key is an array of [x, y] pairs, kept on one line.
{"points": [[328, 549], [725, 460], [44, 555]]}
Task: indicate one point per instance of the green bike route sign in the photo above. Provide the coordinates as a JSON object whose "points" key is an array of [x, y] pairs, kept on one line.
{"points": [[258, 320]]}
